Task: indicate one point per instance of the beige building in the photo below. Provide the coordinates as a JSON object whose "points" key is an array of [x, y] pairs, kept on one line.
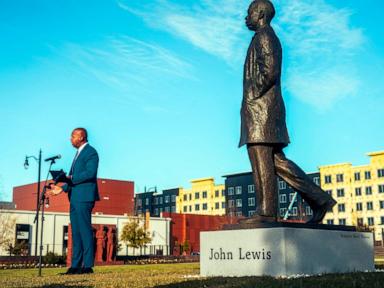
{"points": [[204, 197], [55, 238], [359, 192]]}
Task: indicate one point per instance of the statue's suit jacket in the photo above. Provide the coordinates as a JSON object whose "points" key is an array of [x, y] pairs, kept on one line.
{"points": [[263, 111], [83, 187]]}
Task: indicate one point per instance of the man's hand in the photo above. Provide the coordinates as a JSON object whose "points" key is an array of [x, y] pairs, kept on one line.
{"points": [[55, 190]]}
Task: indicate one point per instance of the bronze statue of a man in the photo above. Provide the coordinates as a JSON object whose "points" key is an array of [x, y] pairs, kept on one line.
{"points": [[263, 126]]}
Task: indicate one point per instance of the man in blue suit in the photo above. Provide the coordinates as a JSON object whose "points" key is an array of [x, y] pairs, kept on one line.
{"points": [[82, 193]]}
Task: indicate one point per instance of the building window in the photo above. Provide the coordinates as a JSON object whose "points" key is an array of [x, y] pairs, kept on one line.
{"points": [[217, 193], [357, 176], [156, 200], [161, 210], [329, 192], [166, 199], [251, 213], [360, 222], [161, 200], [231, 190], [282, 185], [185, 197], [330, 221], [341, 207], [381, 188], [382, 220], [369, 205], [204, 194], [173, 198], [231, 203], [190, 208], [239, 203], [197, 207], [359, 206], [223, 192], [342, 221], [217, 205], [282, 211], [156, 211], [371, 221], [251, 188], [291, 195], [368, 190], [294, 211], [340, 192], [251, 201], [185, 209], [223, 205], [238, 214], [138, 202], [367, 175], [238, 190], [147, 201], [205, 206], [380, 173], [308, 210], [327, 179], [166, 209], [316, 180], [173, 209], [339, 177], [358, 191], [283, 198], [197, 195], [381, 204]]}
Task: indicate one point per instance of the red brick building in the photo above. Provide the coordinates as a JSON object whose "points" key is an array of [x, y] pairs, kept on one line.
{"points": [[116, 197], [186, 228]]}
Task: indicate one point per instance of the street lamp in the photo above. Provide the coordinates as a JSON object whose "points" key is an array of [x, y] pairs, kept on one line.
{"points": [[26, 165]]}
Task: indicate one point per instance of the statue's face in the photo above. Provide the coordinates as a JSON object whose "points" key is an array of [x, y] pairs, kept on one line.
{"points": [[252, 19]]}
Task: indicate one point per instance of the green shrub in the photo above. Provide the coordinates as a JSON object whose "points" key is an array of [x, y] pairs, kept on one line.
{"points": [[53, 258]]}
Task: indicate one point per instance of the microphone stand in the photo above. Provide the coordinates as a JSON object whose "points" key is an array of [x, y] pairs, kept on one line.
{"points": [[43, 200]]}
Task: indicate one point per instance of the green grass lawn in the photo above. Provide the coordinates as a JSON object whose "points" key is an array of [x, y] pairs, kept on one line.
{"points": [[175, 275]]}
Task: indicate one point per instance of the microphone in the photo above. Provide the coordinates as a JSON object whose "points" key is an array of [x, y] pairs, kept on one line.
{"points": [[53, 158]]}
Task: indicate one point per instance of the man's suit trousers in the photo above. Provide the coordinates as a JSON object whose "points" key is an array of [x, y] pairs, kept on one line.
{"points": [[82, 234]]}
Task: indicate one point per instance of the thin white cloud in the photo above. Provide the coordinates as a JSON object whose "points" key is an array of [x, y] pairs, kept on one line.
{"points": [[128, 64], [213, 26], [320, 45]]}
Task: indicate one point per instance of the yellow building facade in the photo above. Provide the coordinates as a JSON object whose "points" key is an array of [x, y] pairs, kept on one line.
{"points": [[204, 198], [359, 192]]}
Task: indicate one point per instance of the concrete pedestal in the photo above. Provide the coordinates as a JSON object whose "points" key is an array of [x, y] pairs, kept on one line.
{"points": [[283, 251]]}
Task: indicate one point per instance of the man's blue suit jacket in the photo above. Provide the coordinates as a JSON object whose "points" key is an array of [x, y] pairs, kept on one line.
{"points": [[83, 187]]}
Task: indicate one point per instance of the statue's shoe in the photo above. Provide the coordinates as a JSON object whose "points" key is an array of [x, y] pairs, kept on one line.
{"points": [[320, 211]]}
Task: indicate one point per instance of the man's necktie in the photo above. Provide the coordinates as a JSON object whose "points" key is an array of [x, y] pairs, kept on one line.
{"points": [[73, 162]]}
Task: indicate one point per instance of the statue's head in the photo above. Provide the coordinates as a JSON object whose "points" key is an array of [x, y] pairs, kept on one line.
{"points": [[260, 13]]}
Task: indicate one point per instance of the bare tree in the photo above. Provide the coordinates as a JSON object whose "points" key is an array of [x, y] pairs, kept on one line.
{"points": [[7, 224]]}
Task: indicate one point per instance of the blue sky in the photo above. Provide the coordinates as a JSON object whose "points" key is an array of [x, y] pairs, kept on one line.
{"points": [[158, 84]]}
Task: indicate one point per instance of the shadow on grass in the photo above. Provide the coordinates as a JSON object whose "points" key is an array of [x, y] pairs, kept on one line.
{"points": [[69, 284], [350, 280], [66, 286]]}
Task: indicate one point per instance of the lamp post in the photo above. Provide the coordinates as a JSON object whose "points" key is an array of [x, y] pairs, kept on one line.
{"points": [[26, 165]]}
